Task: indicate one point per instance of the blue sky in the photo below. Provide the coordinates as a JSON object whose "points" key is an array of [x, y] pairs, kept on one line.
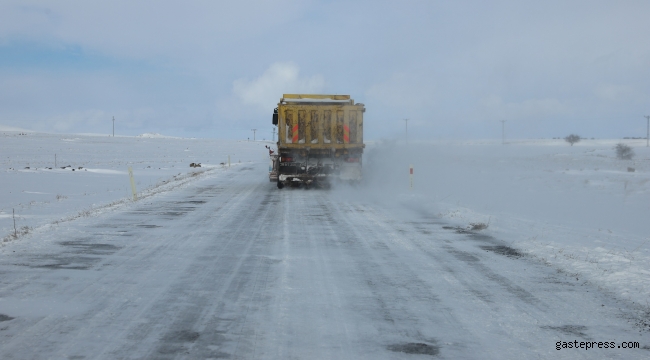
{"points": [[216, 69]]}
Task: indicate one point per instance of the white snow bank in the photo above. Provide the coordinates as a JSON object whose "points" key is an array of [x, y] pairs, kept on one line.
{"points": [[155, 136], [107, 171]]}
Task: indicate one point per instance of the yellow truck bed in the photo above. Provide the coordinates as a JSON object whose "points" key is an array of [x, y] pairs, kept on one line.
{"points": [[319, 122], [320, 140]]}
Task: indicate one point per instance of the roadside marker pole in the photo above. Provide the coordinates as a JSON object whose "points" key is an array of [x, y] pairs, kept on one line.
{"points": [[135, 195], [411, 175], [228, 161], [13, 214]]}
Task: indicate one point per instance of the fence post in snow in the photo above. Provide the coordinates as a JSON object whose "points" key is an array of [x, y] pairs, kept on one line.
{"points": [[229, 161], [411, 175], [135, 195], [13, 214]]}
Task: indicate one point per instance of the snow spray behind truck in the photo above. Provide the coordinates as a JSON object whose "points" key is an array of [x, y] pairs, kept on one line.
{"points": [[320, 139]]}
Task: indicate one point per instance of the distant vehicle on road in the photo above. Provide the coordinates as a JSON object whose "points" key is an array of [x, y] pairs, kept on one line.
{"points": [[320, 139]]}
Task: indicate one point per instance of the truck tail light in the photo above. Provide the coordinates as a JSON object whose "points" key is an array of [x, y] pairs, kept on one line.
{"points": [[353, 159], [286, 159]]}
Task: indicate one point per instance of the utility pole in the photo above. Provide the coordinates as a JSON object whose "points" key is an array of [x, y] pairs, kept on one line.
{"points": [[503, 132], [406, 123], [113, 126], [253, 130], [273, 134], [647, 136]]}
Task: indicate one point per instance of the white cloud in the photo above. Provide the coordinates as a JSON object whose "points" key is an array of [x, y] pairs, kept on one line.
{"points": [[613, 92], [188, 33], [406, 89], [78, 120], [431, 62], [280, 78], [96, 120], [493, 107]]}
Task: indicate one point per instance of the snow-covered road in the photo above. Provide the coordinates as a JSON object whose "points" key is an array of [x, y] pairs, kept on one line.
{"points": [[231, 267]]}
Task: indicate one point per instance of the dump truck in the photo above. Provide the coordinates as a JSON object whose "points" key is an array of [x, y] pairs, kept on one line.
{"points": [[320, 140]]}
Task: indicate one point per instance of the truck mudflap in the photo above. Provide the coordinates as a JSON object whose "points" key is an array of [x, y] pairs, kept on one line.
{"points": [[273, 168]]}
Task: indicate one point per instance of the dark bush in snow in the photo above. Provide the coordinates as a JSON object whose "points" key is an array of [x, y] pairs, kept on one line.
{"points": [[623, 151], [478, 226], [572, 139]]}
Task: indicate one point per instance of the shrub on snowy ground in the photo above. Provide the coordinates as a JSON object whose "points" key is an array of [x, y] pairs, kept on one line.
{"points": [[623, 151], [20, 232], [478, 226], [572, 139]]}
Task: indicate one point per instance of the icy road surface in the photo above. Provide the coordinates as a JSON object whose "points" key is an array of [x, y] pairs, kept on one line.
{"points": [[231, 267]]}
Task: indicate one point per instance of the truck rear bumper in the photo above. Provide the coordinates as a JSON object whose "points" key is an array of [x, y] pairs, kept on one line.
{"points": [[346, 173], [306, 178]]}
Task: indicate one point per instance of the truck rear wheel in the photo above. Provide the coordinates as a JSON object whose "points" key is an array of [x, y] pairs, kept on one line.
{"points": [[280, 184]]}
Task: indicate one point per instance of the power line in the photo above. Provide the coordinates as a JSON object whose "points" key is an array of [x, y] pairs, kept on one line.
{"points": [[503, 132], [253, 130], [406, 122], [647, 136]]}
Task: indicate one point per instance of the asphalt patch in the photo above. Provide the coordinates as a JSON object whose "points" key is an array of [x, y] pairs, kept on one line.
{"points": [[462, 255], [184, 336], [458, 229], [63, 266], [106, 226], [65, 262], [172, 213], [481, 237], [503, 250], [573, 330], [415, 348], [269, 199], [176, 342], [91, 248], [183, 208]]}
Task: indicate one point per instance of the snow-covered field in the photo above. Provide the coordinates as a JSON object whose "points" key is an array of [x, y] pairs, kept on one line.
{"points": [[217, 262], [577, 208], [91, 171]]}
